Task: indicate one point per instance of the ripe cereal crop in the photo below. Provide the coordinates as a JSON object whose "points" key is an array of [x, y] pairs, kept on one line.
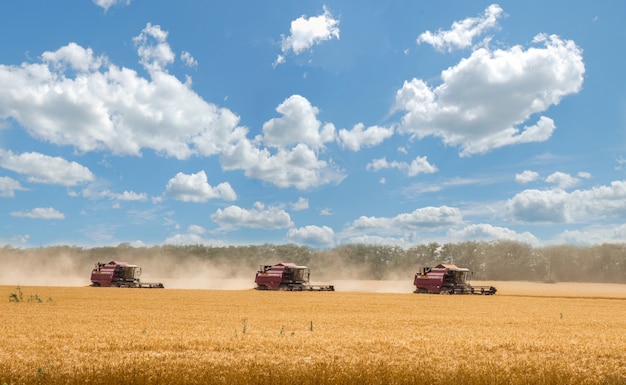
{"points": [[91, 335]]}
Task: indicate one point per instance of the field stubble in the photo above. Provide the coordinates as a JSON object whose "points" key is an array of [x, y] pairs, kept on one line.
{"points": [[133, 336]]}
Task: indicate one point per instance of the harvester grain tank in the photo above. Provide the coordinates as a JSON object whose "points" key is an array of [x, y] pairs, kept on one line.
{"points": [[286, 276], [119, 274], [447, 279]]}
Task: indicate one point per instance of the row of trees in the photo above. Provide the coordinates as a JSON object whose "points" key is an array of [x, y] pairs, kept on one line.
{"points": [[502, 260]]}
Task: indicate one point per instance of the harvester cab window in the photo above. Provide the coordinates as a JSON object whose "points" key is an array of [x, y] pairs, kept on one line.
{"points": [[301, 274], [132, 272], [459, 276]]}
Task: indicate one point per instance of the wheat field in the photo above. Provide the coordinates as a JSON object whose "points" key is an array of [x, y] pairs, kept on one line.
{"points": [[85, 335]]}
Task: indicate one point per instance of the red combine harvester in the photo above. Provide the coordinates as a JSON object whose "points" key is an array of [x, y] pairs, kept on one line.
{"points": [[119, 274], [447, 279], [286, 276]]}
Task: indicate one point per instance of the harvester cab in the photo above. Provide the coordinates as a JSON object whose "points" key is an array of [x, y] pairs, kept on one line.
{"points": [[129, 273], [456, 277], [297, 274]]}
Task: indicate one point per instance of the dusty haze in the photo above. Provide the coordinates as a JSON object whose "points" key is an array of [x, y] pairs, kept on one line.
{"points": [[43, 267], [54, 267], [58, 269]]}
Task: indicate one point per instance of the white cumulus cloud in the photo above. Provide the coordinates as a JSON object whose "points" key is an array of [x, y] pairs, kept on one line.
{"points": [[153, 49], [40, 213], [40, 168], [526, 176], [298, 124], [188, 59], [487, 232], [421, 219], [558, 206], [259, 217], [468, 109], [462, 33], [359, 137], [8, 186], [196, 188], [106, 4], [301, 204], [562, 180], [297, 167], [320, 236], [419, 165], [307, 32], [75, 98]]}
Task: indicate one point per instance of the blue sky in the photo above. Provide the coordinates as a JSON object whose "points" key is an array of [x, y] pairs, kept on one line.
{"points": [[314, 123]]}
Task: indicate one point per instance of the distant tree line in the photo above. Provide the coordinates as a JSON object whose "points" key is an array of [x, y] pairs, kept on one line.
{"points": [[500, 260]]}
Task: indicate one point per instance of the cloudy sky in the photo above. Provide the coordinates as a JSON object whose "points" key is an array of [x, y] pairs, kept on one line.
{"points": [[314, 123]]}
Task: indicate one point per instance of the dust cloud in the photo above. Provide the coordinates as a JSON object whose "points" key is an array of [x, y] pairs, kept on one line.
{"points": [[43, 267], [34, 269]]}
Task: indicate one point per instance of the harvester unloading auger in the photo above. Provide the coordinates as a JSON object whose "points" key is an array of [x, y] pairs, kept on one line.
{"points": [[120, 274], [286, 276], [447, 279]]}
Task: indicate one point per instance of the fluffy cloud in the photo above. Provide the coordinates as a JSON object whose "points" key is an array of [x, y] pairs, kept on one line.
{"points": [[312, 235], [487, 232], [298, 124], [468, 109], [526, 176], [301, 204], [562, 180], [463, 33], [86, 102], [97, 191], [259, 217], [45, 169], [305, 33], [419, 165], [196, 188], [358, 137], [78, 99], [153, 49], [106, 4], [189, 60], [127, 196], [539, 206], [298, 167], [426, 218], [8, 186], [40, 213], [75, 57], [592, 235], [558, 206]]}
